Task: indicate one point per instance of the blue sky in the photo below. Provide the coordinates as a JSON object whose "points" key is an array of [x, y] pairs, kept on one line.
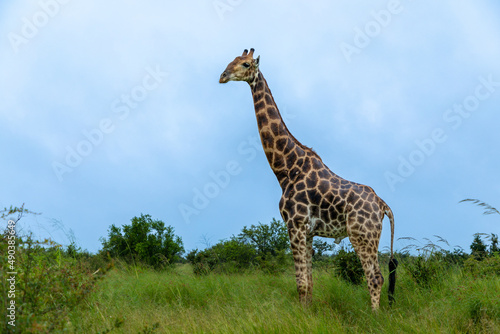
{"points": [[113, 109]]}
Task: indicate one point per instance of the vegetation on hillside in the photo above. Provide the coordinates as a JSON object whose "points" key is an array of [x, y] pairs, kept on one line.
{"points": [[241, 284], [42, 282]]}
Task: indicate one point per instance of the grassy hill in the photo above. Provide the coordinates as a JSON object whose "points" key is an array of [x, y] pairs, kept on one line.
{"points": [[138, 300]]}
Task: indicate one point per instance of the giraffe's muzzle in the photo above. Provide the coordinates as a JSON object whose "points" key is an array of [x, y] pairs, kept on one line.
{"points": [[224, 77]]}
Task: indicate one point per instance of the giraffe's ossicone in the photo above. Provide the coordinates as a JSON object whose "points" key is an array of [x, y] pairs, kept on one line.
{"points": [[315, 201]]}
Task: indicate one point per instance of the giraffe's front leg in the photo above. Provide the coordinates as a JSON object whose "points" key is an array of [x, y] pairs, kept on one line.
{"points": [[309, 250], [301, 247]]}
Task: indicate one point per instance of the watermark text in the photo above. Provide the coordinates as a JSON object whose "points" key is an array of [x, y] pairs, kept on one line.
{"points": [[11, 273], [31, 26]]}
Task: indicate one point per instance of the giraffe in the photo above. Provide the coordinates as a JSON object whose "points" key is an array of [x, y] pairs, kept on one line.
{"points": [[315, 201]]}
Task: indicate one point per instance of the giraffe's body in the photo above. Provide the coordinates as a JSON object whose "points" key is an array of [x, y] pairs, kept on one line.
{"points": [[315, 201]]}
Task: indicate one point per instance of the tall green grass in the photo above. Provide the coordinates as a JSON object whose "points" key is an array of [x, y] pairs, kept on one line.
{"points": [[139, 300]]}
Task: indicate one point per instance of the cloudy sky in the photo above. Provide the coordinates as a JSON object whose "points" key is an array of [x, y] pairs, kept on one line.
{"points": [[111, 109]]}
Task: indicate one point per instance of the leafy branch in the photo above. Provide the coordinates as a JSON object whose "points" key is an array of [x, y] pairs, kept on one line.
{"points": [[7, 212]]}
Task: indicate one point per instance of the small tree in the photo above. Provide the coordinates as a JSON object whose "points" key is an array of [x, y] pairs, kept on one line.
{"points": [[267, 239], [478, 248], [321, 247], [145, 239], [494, 249]]}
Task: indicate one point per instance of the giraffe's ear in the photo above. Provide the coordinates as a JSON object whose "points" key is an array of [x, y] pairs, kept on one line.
{"points": [[257, 62]]}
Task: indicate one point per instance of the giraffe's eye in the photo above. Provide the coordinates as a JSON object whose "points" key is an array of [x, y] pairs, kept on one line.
{"points": [[247, 65]]}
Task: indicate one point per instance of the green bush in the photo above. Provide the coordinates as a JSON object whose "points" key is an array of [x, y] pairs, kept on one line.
{"points": [[94, 261], [262, 246], [426, 271], [487, 266], [348, 266], [41, 284], [269, 238], [146, 240], [49, 285], [227, 256], [276, 264]]}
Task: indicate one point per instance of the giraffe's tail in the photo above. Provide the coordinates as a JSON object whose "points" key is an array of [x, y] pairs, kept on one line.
{"points": [[393, 263]]}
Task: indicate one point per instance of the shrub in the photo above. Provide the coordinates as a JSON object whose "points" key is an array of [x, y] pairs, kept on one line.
{"points": [[42, 280], [227, 256], [49, 285], [348, 266], [487, 266], [276, 264], [259, 246], [426, 271], [146, 240], [95, 262]]}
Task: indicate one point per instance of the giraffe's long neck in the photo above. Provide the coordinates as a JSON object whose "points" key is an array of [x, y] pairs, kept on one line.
{"points": [[282, 150]]}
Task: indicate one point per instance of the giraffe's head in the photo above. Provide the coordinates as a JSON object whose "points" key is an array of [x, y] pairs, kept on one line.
{"points": [[242, 68]]}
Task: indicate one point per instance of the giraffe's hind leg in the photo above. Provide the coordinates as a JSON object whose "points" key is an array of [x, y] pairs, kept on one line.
{"points": [[302, 256], [365, 242]]}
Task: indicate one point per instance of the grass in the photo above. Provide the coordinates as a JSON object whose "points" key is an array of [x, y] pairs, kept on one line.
{"points": [[136, 300]]}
